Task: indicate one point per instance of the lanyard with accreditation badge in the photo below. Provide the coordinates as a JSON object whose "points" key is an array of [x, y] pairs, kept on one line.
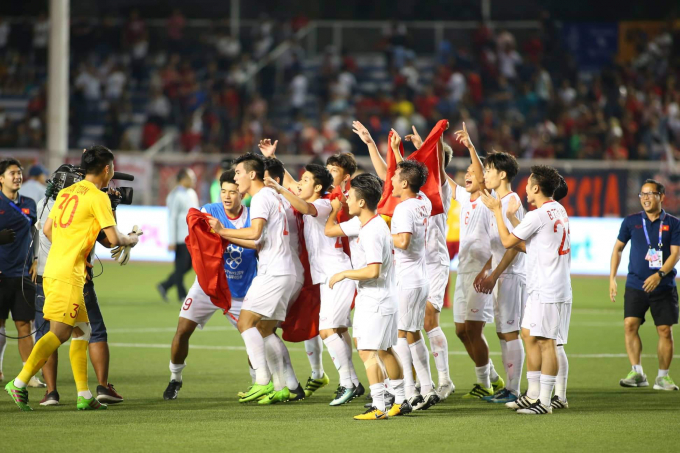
{"points": [[654, 256]]}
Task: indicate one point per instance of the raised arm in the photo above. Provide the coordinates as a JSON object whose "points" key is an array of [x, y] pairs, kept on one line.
{"points": [[114, 236], [298, 203], [268, 149], [376, 159], [395, 143], [332, 229], [414, 138], [464, 138]]}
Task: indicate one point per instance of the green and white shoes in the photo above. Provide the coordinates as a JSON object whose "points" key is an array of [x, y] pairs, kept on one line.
{"points": [[665, 383], [634, 379]]}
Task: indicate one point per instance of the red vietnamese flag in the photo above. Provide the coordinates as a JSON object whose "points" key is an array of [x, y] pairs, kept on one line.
{"points": [[428, 155], [207, 257]]}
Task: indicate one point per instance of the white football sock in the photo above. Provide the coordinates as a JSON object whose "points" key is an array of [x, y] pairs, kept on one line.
{"points": [[534, 381], [638, 369], [314, 348], [404, 353], [547, 385], [562, 374], [421, 361], [352, 372], [256, 353], [291, 379], [253, 376], [18, 383], [440, 351], [85, 394], [274, 357], [397, 387], [176, 371], [662, 373], [483, 376], [504, 352], [3, 344], [515, 361], [339, 354], [493, 375], [378, 395]]}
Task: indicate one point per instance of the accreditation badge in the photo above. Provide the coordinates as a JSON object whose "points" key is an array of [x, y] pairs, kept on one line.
{"points": [[655, 258]]}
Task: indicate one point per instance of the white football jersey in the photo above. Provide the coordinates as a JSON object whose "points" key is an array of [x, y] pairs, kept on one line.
{"points": [[374, 245], [475, 235], [351, 228], [326, 255], [548, 261], [517, 267], [275, 255], [411, 216], [293, 238], [437, 251]]}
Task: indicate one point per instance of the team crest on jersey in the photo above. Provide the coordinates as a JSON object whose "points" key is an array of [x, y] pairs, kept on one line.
{"points": [[234, 256], [474, 310]]}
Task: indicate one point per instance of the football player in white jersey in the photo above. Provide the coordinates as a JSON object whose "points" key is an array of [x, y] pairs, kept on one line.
{"points": [[409, 234], [438, 270], [267, 298], [342, 166], [545, 233], [313, 346], [472, 309], [505, 276], [326, 258], [375, 316], [197, 308]]}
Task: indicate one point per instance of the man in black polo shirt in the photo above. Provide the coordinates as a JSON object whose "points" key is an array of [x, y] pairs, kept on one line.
{"points": [[17, 291], [650, 285]]}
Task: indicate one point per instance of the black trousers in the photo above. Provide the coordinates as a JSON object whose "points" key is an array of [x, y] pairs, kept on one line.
{"points": [[182, 266]]}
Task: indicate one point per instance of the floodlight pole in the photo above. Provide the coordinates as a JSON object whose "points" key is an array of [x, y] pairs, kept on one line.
{"points": [[57, 84]]}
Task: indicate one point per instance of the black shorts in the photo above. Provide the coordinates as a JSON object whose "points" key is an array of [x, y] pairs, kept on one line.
{"points": [[12, 299], [663, 305]]}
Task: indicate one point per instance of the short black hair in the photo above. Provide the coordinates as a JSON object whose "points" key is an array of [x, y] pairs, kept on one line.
{"points": [[8, 162], [183, 173], [252, 162], [413, 172], [321, 176], [95, 158], [448, 155], [659, 187], [562, 190], [228, 177], [547, 178], [368, 187], [275, 169], [346, 161], [503, 162]]}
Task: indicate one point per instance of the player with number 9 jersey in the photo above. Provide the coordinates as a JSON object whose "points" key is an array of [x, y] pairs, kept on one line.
{"points": [[80, 212]]}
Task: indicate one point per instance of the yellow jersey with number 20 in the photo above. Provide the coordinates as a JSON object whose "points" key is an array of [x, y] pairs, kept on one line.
{"points": [[79, 213]]}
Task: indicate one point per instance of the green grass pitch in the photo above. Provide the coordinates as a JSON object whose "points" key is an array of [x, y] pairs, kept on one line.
{"points": [[207, 416]]}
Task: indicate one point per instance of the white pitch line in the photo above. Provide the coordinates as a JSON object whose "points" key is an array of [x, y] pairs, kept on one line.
{"points": [[455, 353]]}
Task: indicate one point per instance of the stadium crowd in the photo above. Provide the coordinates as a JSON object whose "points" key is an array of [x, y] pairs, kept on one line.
{"points": [[525, 97]]}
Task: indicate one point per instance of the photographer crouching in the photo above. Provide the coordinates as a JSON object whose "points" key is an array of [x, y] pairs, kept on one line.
{"points": [[80, 213]]}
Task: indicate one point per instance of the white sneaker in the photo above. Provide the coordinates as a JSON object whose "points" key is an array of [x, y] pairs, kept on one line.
{"points": [[536, 409], [429, 399], [36, 383], [557, 403], [445, 389], [634, 380], [665, 383]]}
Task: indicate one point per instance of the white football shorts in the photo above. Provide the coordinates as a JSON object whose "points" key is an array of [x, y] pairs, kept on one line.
{"points": [[468, 304], [269, 295], [336, 305], [547, 320], [438, 275], [510, 297], [198, 308]]}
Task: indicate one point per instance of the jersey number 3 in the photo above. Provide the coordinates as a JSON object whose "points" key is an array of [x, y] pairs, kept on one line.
{"points": [[565, 231], [64, 206]]}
